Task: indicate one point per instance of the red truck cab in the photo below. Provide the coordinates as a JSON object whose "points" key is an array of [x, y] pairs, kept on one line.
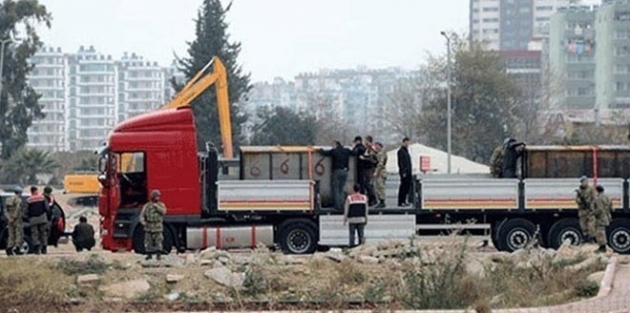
{"points": [[163, 149]]}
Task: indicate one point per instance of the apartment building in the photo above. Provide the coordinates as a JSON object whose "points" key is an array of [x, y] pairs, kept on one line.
{"points": [[49, 79], [141, 86], [512, 24]]}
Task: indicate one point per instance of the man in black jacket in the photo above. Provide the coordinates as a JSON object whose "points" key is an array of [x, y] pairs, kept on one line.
{"points": [[513, 150], [404, 170], [340, 165], [365, 164], [83, 235]]}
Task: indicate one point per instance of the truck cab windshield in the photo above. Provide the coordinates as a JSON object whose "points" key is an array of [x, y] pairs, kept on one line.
{"points": [[132, 177]]}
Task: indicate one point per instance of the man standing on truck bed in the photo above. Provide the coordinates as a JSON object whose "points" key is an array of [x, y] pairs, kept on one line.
{"points": [[380, 175], [496, 160], [603, 209], [513, 150], [37, 212], [369, 162], [585, 197], [404, 170], [355, 214], [14, 212], [151, 218], [340, 165]]}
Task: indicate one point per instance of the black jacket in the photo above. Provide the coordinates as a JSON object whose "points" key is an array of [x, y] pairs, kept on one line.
{"points": [[360, 150], [83, 232], [340, 157], [404, 161], [510, 156]]}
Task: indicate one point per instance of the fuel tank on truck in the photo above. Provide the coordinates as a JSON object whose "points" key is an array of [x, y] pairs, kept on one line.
{"points": [[291, 163], [229, 237]]}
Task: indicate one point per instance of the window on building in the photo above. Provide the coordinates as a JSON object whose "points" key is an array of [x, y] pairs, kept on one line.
{"points": [[544, 8], [491, 9]]}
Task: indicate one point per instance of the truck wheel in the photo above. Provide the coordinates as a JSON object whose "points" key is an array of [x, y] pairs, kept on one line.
{"points": [[565, 229], [494, 233], [514, 234], [619, 235], [297, 236], [138, 240]]}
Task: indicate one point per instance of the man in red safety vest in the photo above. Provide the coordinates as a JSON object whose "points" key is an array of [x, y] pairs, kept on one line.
{"points": [[356, 214]]}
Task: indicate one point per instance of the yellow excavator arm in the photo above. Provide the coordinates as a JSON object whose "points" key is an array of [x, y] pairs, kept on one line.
{"points": [[197, 85]]}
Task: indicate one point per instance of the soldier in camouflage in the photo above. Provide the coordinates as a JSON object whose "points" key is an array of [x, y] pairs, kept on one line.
{"points": [[151, 218], [603, 209], [585, 200], [14, 213], [380, 175], [496, 160]]}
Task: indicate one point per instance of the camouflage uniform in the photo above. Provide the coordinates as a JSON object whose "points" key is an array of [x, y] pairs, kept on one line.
{"points": [[585, 198], [151, 217], [14, 213], [603, 209], [381, 176], [496, 162]]}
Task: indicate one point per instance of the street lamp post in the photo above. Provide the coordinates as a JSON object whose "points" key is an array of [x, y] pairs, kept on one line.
{"points": [[448, 100]]}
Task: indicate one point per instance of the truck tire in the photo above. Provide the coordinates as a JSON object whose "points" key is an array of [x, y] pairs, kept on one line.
{"points": [[514, 234], [494, 233], [619, 235], [565, 229], [297, 236], [138, 240]]}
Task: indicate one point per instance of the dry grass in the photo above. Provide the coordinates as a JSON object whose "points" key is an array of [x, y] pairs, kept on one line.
{"points": [[29, 284]]}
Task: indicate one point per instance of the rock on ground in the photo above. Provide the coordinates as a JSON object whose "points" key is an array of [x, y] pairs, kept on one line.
{"points": [[596, 277], [173, 278], [128, 290], [366, 259], [87, 279], [224, 276]]}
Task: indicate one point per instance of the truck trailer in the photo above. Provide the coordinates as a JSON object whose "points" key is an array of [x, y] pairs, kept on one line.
{"points": [[281, 196]]}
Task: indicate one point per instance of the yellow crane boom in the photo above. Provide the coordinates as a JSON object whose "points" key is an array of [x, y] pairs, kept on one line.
{"points": [[197, 85]]}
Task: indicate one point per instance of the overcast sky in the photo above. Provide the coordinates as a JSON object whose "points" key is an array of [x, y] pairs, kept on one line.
{"points": [[280, 38]]}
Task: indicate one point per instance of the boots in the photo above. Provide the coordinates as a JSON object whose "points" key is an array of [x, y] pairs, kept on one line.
{"points": [[159, 256], [17, 251], [149, 256], [602, 249], [381, 204], [10, 252], [36, 249], [44, 249]]}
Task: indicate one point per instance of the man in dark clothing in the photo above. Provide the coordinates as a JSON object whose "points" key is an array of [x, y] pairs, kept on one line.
{"points": [[37, 212], [83, 235], [340, 164], [56, 218], [365, 165], [404, 170], [369, 163], [513, 150]]}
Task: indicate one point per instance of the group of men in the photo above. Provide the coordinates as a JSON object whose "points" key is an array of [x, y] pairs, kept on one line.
{"points": [[45, 219], [371, 171], [369, 190], [503, 162], [594, 211]]}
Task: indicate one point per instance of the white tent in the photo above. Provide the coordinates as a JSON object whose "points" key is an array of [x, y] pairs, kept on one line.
{"points": [[438, 159]]}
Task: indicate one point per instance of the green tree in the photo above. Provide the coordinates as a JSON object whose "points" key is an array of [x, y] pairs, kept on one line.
{"points": [[281, 126], [18, 101], [211, 40], [25, 165], [486, 103]]}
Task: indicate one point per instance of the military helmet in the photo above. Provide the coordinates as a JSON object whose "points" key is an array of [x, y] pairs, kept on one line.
{"points": [[18, 189], [583, 178], [155, 193], [48, 190]]}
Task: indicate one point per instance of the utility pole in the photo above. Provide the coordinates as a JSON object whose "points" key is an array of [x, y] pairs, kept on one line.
{"points": [[448, 100]]}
